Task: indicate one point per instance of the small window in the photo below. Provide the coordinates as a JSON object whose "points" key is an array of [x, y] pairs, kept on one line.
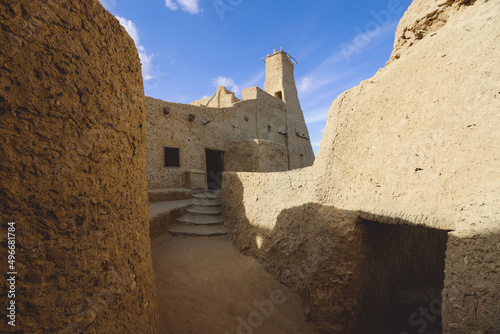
{"points": [[279, 95], [172, 157]]}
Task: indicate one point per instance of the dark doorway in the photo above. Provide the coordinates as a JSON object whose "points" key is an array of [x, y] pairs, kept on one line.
{"points": [[406, 270], [215, 167]]}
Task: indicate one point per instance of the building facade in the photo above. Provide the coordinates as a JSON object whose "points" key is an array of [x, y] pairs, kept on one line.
{"points": [[190, 145]]}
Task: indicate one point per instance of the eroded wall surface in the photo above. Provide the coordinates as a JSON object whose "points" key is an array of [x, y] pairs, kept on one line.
{"points": [[255, 156], [417, 144], [72, 172], [420, 138], [310, 247]]}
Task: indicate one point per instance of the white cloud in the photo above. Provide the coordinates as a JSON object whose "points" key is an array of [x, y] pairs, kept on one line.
{"points": [[226, 82], [147, 63], [171, 4], [190, 6], [130, 27], [146, 59], [305, 83], [108, 4]]}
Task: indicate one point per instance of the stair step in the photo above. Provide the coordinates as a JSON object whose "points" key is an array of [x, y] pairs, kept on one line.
{"points": [[164, 195], [191, 219], [206, 202], [159, 208], [203, 210], [202, 231], [207, 195]]}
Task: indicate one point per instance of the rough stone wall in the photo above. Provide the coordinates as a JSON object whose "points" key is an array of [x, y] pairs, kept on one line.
{"points": [[258, 117], [72, 172], [415, 145]]}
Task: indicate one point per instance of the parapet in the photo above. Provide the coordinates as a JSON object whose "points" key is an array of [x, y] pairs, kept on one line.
{"points": [[255, 93], [220, 99]]}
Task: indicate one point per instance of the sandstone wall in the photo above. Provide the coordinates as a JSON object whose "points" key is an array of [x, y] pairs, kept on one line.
{"points": [[72, 172], [414, 145], [234, 129]]}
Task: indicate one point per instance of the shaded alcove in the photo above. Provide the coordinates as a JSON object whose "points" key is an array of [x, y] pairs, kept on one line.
{"points": [[406, 267], [215, 167], [355, 276], [279, 95]]}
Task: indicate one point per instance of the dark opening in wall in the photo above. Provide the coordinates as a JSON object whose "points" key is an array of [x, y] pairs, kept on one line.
{"points": [[215, 168], [279, 95], [172, 157], [405, 267]]}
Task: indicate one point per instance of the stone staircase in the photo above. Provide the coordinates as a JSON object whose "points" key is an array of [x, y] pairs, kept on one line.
{"points": [[203, 218]]}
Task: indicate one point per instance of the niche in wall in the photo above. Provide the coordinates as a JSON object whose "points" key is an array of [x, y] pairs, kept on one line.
{"points": [[405, 267], [172, 157]]}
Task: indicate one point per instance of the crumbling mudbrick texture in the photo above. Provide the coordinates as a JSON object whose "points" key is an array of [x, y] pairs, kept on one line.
{"points": [[416, 144], [72, 170]]}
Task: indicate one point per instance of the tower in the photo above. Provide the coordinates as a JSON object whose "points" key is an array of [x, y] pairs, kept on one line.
{"points": [[280, 83]]}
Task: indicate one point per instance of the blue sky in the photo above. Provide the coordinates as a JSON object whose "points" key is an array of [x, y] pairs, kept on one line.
{"points": [[188, 47]]}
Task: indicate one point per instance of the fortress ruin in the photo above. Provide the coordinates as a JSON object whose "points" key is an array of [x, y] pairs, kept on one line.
{"points": [[265, 132], [393, 228]]}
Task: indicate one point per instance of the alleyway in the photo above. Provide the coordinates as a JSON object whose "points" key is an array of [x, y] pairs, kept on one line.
{"points": [[205, 286]]}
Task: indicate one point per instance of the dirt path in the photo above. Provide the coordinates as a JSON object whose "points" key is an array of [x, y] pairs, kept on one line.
{"points": [[205, 286]]}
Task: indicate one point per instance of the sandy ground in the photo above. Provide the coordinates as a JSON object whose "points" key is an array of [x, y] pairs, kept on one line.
{"points": [[206, 286]]}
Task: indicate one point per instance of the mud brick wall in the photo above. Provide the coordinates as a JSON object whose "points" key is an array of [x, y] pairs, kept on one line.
{"points": [[416, 144], [72, 170]]}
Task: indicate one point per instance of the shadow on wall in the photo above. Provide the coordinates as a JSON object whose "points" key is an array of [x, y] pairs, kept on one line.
{"points": [[471, 297], [354, 276], [406, 267]]}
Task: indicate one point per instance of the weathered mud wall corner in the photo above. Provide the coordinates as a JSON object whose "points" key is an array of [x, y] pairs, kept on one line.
{"points": [[72, 172]]}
